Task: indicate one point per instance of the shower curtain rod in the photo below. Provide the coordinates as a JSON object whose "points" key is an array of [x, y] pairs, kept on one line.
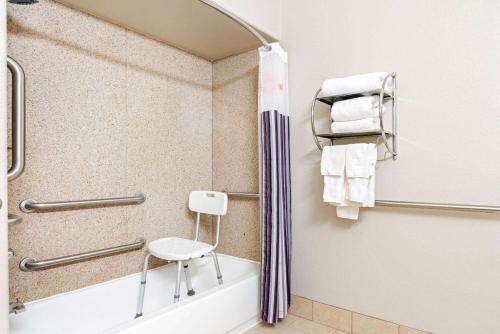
{"points": [[240, 21]]}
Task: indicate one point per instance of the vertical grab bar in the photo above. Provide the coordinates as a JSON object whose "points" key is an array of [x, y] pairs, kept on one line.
{"points": [[18, 119]]}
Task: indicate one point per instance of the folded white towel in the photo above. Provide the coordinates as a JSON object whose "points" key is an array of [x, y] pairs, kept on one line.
{"points": [[333, 160], [356, 84], [360, 160], [360, 173], [356, 109], [334, 191], [362, 125], [333, 171]]}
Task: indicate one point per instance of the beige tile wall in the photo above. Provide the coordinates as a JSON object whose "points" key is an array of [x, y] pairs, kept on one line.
{"points": [[235, 150], [109, 113], [344, 321]]}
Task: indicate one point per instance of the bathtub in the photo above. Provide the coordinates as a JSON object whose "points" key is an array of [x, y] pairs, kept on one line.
{"points": [[109, 307]]}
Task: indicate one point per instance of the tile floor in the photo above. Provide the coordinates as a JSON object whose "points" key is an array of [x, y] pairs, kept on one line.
{"points": [[294, 325]]}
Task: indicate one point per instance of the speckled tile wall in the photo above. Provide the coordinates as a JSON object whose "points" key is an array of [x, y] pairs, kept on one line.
{"points": [[235, 150], [109, 113]]}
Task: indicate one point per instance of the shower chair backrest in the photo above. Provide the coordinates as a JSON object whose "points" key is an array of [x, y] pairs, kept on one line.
{"points": [[208, 202]]}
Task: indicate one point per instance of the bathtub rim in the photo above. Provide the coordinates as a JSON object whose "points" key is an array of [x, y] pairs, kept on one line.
{"points": [[229, 283]]}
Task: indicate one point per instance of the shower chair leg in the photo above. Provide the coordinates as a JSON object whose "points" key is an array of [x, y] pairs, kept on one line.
{"points": [[217, 268], [142, 288], [189, 285], [177, 293]]}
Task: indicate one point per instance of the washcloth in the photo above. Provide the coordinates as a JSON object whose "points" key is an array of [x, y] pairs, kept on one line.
{"points": [[356, 109], [357, 84], [348, 212], [362, 125]]}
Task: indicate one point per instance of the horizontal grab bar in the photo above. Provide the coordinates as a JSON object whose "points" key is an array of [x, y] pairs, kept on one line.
{"points": [[440, 206], [241, 194], [30, 264], [409, 205], [30, 205]]}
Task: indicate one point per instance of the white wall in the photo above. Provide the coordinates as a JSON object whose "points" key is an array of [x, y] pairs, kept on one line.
{"points": [[433, 270], [262, 14]]}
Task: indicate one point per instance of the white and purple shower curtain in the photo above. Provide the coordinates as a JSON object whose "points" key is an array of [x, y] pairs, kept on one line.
{"points": [[275, 183]]}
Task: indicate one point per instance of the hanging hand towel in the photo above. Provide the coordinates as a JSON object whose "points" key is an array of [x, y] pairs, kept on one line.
{"points": [[360, 173], [356, 109], [333, 160], [362, 125], [356, 84], [332, 169]]}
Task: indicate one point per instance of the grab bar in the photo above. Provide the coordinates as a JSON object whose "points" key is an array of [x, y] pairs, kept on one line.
{"points": [[30, 264], [18, 119], [30, 205], [241, 194], [439, 206], [408, 205]]}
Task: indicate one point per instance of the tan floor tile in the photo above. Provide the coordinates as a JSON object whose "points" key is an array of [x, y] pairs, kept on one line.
{"points": [[362, 324], [332, 316], [302, 307], [309, 327], [408, 330], [254, 330]]}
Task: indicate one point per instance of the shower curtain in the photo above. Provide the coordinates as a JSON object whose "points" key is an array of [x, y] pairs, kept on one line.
{"points": [[274, 183]]}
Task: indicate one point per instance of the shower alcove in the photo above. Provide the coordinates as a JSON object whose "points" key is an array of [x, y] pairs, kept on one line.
{"points": [[118, 103]]}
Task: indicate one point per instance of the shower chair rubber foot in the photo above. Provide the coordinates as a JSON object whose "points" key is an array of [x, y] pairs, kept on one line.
{"points": [[191, 293]]}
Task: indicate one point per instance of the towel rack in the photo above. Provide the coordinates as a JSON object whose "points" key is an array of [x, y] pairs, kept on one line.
{"points": [[30, 264], [385, 135], [30, 205]]}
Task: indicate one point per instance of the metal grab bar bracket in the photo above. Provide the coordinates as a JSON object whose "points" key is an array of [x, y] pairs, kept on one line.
{"points": [[30, 205], [30, 264], [14, 219]]}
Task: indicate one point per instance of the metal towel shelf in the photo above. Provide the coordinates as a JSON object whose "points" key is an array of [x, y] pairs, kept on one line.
{"points": [[30, 264], [383, 134], [30, 205]]}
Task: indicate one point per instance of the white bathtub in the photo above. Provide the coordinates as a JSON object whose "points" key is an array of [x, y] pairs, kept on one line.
{"points": [[109, 307]]}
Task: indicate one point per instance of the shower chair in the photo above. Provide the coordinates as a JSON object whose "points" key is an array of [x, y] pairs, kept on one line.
{"points": [[182, 250]]}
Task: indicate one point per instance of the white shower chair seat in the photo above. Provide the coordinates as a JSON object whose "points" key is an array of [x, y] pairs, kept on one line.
{"points": [[178, 249], [182, 250]]}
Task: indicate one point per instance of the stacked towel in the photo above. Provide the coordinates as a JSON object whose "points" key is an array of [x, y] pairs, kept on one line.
{"points": [[356, 84], [362, 125], [349, 177], [356, 109]]}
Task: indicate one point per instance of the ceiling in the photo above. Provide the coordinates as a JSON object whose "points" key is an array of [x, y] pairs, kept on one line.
{"points": [[185, 24]]}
